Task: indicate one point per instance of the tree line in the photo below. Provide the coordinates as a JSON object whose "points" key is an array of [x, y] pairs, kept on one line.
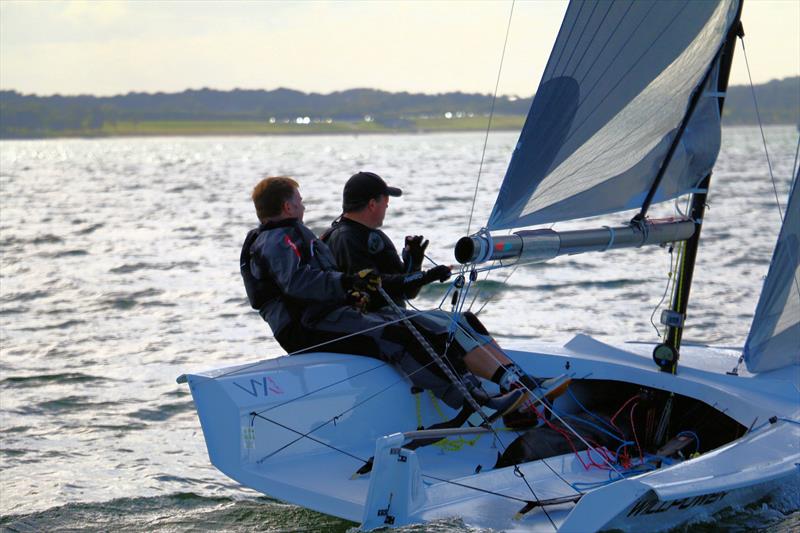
{"points": [[31, 116]]}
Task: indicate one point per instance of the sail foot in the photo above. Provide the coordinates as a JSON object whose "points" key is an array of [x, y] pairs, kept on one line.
{"points": [[544, 244]]}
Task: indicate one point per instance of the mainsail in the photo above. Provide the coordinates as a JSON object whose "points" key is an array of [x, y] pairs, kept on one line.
{"points": [[614, 94], [774, 340]]}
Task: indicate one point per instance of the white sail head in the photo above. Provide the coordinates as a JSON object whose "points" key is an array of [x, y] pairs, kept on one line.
{"points": [[613, 95]]}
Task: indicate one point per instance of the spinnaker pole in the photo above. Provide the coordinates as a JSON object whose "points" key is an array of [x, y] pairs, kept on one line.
{"points": [[666, 354], [545, 244]]}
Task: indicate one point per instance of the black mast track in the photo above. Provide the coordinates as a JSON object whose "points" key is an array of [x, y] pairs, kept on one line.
{"points": [[666, 355]]}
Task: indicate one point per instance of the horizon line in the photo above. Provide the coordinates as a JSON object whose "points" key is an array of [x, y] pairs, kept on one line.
{"points": [[209, 89]]}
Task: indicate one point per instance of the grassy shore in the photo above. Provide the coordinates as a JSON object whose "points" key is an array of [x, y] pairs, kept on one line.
{"points": [[243, 127]]}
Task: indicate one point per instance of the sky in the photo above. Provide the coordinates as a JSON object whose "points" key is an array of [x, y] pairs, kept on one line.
{"points": [[108, 47]]}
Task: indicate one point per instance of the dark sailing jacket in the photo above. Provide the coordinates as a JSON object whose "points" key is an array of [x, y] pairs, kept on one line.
{"points": [[289, 275], [356, 247]]}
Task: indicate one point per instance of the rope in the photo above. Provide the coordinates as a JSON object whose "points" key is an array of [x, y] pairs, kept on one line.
{"points": [[544, 403], [436, 358], [491, 115]]}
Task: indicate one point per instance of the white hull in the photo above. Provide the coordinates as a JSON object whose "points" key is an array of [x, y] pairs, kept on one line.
{"points": [[254, 418]]}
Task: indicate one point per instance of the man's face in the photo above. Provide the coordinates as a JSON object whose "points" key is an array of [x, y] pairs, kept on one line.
{"points": [[381, 204], [293, 207]]}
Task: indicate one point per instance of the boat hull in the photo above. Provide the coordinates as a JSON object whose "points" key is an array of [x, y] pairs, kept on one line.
{"points": [[299, 428]]}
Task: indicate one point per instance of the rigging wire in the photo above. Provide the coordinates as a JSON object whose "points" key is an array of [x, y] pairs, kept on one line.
{"points": [[491, 296], [761, 128], [491, 115], [670, 282], [795, 169], [458, 305], [546, 407], [735, 370], [310, 348]]}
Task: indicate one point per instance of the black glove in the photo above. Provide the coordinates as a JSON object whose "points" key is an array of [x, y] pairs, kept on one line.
{"points": [[437, 273], [367, 281], [358, 299], [414, 252]]}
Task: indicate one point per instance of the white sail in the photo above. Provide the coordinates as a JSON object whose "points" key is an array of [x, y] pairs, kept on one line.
{"points": [[615, 91], [774, 340]]}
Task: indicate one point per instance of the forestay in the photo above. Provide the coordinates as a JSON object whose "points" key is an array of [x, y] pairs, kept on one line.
{"points": [[774, 340], [615, 91]]}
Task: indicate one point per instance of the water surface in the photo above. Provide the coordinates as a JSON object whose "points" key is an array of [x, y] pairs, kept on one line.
{"points": [[119, 271]]}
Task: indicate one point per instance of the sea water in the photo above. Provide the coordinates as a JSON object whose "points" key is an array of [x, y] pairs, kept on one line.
{"points": [[120, 272]]}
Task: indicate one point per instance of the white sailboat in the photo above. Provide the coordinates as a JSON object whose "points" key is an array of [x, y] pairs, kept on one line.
{"points": [[627, 114]]}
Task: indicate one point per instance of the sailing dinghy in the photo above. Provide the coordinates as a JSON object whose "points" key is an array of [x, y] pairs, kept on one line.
{"points": [[627, 114]]}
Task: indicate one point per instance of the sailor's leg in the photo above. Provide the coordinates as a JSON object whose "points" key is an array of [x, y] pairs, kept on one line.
{"points": [[382, 337]]}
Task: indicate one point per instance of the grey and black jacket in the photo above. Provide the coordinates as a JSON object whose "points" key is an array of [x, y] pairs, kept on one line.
{"points": [[290, 275]]}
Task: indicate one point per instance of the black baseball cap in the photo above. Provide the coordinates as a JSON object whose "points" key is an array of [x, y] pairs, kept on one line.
{"points": [[363, 187]]}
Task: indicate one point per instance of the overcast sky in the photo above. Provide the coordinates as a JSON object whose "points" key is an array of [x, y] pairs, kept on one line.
{"points": [[106, 47]]}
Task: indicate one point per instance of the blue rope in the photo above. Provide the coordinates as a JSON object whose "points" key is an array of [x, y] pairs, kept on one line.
{"points": [[693, 435], [585, 410], [584, 421]]}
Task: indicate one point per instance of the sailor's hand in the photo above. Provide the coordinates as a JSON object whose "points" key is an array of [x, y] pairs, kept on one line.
{"points": [[414, 251], [366, 281], [438, 273], [358, 299]]}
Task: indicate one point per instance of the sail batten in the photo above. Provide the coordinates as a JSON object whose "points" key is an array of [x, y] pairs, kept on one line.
{"points": [[610, 103]]}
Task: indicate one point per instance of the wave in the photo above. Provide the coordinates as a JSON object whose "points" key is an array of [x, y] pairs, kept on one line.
{"points": [[90, 229], [61, 325], [133, 267], [163, 412], [24, 296], [69, 253], [68, 378], [127, 300], [176, 512], [65, 405]]}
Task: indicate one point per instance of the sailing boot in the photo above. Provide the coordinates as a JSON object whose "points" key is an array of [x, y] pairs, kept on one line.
{"points": [[504, 403]]}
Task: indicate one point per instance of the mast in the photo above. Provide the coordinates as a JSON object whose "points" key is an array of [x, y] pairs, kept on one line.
{"points": [[666, 354]]}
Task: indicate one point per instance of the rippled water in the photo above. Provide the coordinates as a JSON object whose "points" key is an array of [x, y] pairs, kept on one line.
{"points": [[119, 272]]}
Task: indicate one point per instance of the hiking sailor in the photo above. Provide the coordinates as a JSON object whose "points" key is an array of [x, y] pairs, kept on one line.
{"points": [[292, 279], [358, 244]]}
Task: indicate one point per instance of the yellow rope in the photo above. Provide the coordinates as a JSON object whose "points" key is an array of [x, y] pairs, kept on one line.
{"points": [[448, 445]]}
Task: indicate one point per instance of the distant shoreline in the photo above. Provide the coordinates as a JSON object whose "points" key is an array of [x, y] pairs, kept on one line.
{"points": [[287, 112], [191, 128], [222, 128]]}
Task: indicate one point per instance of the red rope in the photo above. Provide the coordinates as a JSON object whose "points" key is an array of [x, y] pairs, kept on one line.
{"points": [[620, 410], [635, 438]]}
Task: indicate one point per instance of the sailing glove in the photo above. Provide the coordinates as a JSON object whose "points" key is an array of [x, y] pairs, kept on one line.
{"points": [[367, 281], [359, 300], [438, 273], [414, 252]]}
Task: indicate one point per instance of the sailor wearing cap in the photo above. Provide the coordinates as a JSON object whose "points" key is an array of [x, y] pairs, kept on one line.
{"points": [[358, 244]]}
